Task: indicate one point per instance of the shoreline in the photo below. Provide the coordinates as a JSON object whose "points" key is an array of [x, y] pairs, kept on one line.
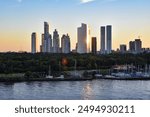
{"points": [[68, 79], [42, 79]]}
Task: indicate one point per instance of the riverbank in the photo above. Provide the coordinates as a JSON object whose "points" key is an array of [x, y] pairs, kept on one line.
{"points": [[22, 79], [42, 79], [16, 77]]}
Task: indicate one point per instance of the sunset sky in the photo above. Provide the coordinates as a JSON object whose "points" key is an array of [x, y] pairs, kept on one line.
{"points": [[19, 18]]}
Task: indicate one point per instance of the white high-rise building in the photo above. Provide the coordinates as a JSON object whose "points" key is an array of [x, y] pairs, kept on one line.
{"points": [[56, 47], [109, 38], [47, 39], [33, 43], [83, 39], [103, 40], [65, 44]]}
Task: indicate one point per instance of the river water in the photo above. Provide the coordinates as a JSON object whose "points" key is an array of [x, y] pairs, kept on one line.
{"points": [[76, 90]]}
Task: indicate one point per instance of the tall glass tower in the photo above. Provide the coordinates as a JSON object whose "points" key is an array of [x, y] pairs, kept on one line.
{"points": [[83, 39], [47, 39], [33, 43], [56, 43], [102, 40], [109, 38]]}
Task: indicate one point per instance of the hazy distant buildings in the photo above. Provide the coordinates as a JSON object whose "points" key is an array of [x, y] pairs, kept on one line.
{"points": [[109, 39], [83, 39], [33, 42], [65, 44], [56, 47], [94, 45], [123, 48], [102, 50], [146, 50]]}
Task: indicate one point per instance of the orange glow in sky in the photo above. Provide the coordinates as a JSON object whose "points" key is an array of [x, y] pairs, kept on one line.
{"points": [[129, 20]]}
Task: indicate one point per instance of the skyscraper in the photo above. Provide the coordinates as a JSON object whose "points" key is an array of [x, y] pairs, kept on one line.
{"points": [[46, 34], [83, 39], [109, 38], [123, 48], [65, 44], [135, 46], [94, 45], [50, 44], [138, 45], [102, 40], [56, 47], [42, 43], [47, 38], [33, 43], [131, 46], [46, 28]]}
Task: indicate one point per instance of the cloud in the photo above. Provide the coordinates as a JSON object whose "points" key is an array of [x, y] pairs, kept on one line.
{"points": [[86, 1], [81, 1]]}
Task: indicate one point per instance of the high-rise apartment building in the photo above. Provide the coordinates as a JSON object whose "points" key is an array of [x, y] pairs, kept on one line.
{"points": [[109, 39], [65, 44], [42, 43], [135, 46], [33, 42], [47, 39], [103, 35], [83, 39], [138, 46], [106, 39], [123, 48], [94, 45], [56, 47], [132, 46]]}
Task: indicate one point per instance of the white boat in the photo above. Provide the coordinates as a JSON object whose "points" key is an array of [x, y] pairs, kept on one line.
{"points": [[49, 77], [121, 75], [110, 77], [146, 75], [98, 75], [60, 77]]}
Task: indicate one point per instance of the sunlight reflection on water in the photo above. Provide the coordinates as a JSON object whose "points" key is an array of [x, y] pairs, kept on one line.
{"points": [[76, 90]]}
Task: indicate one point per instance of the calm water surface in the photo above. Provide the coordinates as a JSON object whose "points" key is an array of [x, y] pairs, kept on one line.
{"points": [[76, 90]]}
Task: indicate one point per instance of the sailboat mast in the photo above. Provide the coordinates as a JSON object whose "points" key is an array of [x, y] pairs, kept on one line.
{"points": [[75, 66], [49, 70]]}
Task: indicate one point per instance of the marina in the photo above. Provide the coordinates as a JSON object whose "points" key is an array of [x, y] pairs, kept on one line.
{"points": [[118, 72]]}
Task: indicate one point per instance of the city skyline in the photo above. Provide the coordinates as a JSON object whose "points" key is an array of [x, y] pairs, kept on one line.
{"points": [[128, 18], [85, 43]]}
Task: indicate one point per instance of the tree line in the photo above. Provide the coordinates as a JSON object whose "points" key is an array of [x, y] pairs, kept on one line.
{"points": [[40, 62]]}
